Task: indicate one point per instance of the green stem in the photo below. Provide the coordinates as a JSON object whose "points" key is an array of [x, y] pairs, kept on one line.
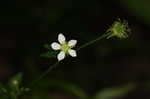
{"points": [[93, 41], [45, 73]]}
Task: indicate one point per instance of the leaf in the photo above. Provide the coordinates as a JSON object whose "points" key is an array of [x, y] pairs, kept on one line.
{"points": [[50, 53], [3, 92], [2, 89], [47, 46], [113, 93]]}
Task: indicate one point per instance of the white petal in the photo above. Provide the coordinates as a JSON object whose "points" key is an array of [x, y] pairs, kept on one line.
{"points": [[61, 56], [55, 46], [61, 38], [72, 43], [72, 53]]}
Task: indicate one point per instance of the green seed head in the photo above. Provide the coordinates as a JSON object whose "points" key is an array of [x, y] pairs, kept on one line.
{"points": [[119, 29]]}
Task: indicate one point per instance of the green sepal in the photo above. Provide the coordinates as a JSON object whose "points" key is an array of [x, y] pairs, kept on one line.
{"points": [[50, 53]]}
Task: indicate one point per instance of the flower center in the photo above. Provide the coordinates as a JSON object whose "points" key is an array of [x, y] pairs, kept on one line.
{"points": [[65, 47]]}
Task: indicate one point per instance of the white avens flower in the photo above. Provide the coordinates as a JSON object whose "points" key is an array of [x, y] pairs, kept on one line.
{"points": [[64, 47]]}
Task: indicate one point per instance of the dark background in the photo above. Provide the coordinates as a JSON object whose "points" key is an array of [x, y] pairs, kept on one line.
{"points": [[26, 25]]}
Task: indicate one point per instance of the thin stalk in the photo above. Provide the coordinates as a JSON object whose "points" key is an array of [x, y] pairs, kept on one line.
{"points": [[93, 41], [45, 73]]}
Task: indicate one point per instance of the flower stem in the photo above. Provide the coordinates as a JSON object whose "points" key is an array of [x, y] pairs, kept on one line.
{"points": [[93, 41], [45, 73]]}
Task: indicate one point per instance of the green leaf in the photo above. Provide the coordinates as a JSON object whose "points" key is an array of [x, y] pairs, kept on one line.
{"points": [[47, 46], [2, 96], [50, 53], [116, 92], [2, 89], [3, 92]]}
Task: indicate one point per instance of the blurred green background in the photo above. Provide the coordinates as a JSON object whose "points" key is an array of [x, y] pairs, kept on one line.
{"points": [[26, 25]]}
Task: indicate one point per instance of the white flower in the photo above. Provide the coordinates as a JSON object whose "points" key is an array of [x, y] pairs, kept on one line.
{"points": [[64, 47]]}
